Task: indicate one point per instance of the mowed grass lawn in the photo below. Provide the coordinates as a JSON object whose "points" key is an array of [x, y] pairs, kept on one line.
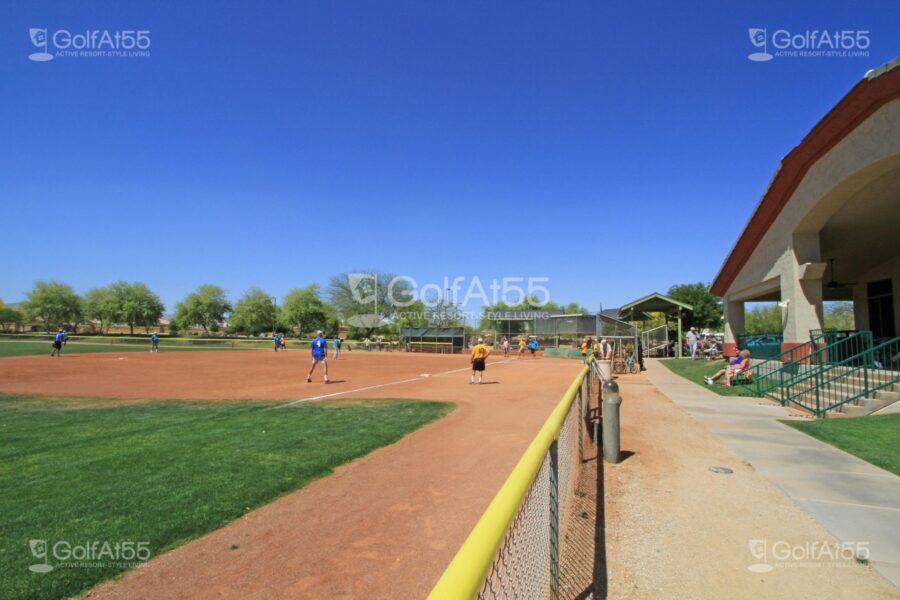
{"points": [[78, 471], [872, 438], [695, 370]]}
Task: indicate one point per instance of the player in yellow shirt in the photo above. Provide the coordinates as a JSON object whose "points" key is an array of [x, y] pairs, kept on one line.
{"points": [[522, 345], [479, 353]]}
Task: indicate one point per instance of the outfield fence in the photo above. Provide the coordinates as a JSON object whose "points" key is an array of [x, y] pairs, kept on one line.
{"points": [[433, 347], [164, 341], [514, 549]]}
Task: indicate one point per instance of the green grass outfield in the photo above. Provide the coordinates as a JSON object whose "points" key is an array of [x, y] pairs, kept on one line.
{"points": [[158, 474], [872, 438], [696, 370]]}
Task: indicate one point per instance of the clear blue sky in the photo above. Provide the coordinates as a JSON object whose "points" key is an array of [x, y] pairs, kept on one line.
{"points": [[616, 148]]}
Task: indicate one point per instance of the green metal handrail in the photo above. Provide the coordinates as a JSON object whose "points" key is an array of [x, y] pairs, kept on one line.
{"points": [[856, 375], [769, 374], [804, 361], [832, 355]]}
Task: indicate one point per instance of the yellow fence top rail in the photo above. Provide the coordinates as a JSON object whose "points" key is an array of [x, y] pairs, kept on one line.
{"points": [[468, 569]]}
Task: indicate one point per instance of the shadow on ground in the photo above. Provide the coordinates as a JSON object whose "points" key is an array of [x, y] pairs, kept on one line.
{"points": [[583, 566]]}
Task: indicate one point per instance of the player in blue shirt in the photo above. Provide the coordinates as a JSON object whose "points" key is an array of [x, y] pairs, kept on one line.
{"points": [[58, 340], [154, 342], [277, 341], [319, 355]]}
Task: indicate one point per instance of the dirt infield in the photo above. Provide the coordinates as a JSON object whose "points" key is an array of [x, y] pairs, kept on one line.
{"points": [[384, 526], [226, 375]]}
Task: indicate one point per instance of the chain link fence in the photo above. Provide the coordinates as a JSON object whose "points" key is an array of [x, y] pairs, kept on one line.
{"points": [[656, 341], [514, 550]]}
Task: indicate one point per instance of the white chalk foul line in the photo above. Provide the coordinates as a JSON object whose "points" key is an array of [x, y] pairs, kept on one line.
{"points": [[380, 385]]}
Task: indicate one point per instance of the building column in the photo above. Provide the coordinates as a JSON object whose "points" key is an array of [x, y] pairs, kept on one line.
{"points": [[734, 325], [801, 305], [678, 352]]}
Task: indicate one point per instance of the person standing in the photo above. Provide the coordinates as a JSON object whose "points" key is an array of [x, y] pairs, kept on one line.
{"points": [[479, 354], [154, 342], [319, 348], [522, 346], [585, 344], [692, 339], [505, 347], [533, 346], [606, 350], [58, 342], [276, 339], [336, 344], [283, 342]]}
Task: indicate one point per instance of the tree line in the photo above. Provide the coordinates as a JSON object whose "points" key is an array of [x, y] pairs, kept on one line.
{"points": [[306, 309], [55, 304], [302, 310]]}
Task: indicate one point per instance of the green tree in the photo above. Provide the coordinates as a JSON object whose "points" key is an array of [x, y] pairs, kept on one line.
{"points": [[707, 308], [136, 304], [102, 305], [763, 318], [10, 318], [54, 303], [206, 307], [573, 308], [367, 300], [253, 314], [304, 309], [839, 315]]}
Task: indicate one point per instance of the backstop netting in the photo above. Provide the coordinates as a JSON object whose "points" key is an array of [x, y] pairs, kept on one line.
{"points": [[557, 330]]}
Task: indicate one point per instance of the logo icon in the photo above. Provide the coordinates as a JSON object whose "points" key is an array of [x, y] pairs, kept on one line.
{"points": [[758, 548], [39, 551], [363, 283], [759, 38], [39, 39], [364, 289]]}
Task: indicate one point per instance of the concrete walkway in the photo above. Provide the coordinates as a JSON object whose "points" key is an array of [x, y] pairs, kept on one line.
{"points": [[854, 500]]}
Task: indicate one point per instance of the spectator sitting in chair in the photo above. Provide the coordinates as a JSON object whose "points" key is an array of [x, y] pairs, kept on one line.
{"points": [[739, 364]]}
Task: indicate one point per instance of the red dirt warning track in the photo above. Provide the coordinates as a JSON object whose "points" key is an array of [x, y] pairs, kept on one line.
{"points": [[384, 526]]}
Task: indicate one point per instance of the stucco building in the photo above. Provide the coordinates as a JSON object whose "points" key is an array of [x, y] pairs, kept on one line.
{"points": [[836, 196]]}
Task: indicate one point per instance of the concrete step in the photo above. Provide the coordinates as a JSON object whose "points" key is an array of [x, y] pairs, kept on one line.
{"points": [[888, 396], [871, 404], [851, 410]]}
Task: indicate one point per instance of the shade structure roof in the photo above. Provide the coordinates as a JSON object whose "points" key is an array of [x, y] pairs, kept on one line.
{"points": [[636, 310]]}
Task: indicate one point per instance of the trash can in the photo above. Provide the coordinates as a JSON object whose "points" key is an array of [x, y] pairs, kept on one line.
{"points": [[604, 369]]}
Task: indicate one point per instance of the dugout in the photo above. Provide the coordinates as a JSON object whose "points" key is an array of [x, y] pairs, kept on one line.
{"points": [[443, 340]]}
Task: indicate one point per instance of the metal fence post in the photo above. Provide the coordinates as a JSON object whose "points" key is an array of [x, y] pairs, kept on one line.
{"points": [[818, 405], [580, 424], [554, 520]]}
